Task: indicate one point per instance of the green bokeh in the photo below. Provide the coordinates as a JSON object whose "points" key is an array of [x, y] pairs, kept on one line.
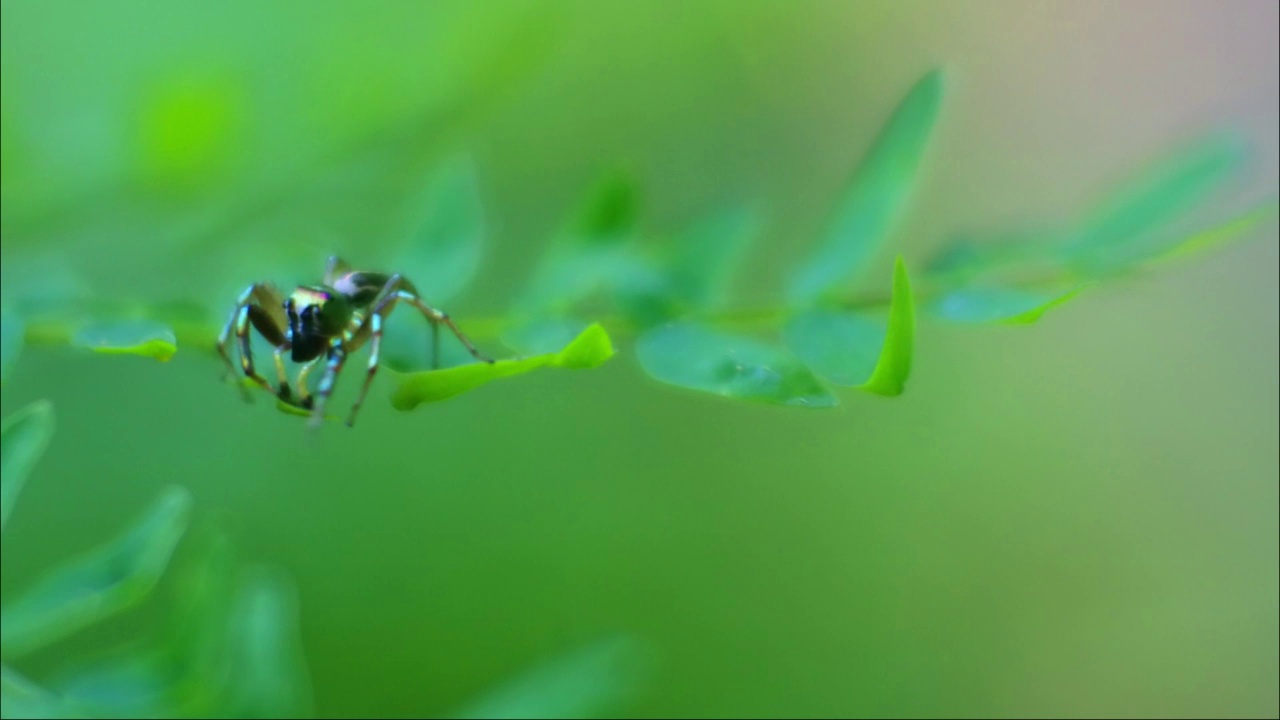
{"points": [[1079, 517]]}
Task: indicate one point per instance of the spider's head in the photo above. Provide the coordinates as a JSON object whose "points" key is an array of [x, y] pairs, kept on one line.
{"points": [[316, 316]]}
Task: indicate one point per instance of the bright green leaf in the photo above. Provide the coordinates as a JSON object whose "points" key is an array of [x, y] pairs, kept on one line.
{"points": [[23, 438], [855, 348], [1010, 306], [591, 348], [894, 365], [443, 255], [129, 337], [698, 357], [104, 582], [1120, 231], [11, 331], [269, 675], [596, 681], [876, 195]]}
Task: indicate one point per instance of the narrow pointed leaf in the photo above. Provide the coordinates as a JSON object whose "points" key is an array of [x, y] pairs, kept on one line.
{"points": [[876, 195], [268, 671], [1221, 233], [596, 681], [698, 357], [591, 348], [707, 253], [859, 349], [1120, 229], [1010, 306], [129, 337], [894, 366], [11, 337], [23, 438], [442, 257], [100, 584]]}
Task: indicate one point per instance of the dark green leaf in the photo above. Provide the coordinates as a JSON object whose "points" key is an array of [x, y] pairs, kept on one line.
{"points": [[1001, 304], [698, 357], [269, 675], [11, 331], [591, 348], [129, 337], [442, 257], [23, 438], [876, 195], [858, 349], [596, 681], [100, 584], [1120, 231]]}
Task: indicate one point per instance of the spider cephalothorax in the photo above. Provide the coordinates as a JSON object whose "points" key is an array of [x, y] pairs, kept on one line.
{"points": [[327, 322]]}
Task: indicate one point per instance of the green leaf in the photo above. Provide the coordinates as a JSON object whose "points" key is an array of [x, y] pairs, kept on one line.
{"points": [[269, 675], [876, 195], [596, 681], [591, 348], [129, 337], [1221, 233], [609, 214], [857, 349], [1011, 306], [100, 584], [11, 331], [697, 357], [442, 257], [1120, 231], [544, 335], [21, 698], [706, 254], [23, 438]]}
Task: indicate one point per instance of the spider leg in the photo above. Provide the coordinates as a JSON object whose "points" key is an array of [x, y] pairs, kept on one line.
{"points": [[398, 288], [337, 356], [375, 328], [435, 316], [304, 395], [260, 306]]}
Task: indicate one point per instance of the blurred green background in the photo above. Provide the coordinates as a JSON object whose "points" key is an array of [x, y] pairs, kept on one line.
{"points": [[1079, 518]]}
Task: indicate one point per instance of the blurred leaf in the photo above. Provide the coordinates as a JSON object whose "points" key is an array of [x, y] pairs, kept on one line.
{"points": [[596, 681], [1118, 230], [21, 698], [857, 349], [698, 357], [23, 438], [544, 335], [442, 257], [129, 337], [11, 331], [609, 215], [1221, 233], [100, 584], [269, 676], [876, 195], [591, 348], [1011, 306], [705, 255], [124, 686]]}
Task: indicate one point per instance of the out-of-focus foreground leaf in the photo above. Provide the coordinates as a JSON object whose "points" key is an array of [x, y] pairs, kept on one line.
{"points": [[698, 357], [102, 583], [876, 195], [856, 348], [595, 681], [133, 337], [591, 348], [1007, 305], [12, 329], [21, 698], [23, 437], [268, 674]]}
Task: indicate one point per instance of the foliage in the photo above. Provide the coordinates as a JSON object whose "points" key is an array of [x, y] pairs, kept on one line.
{"points": [[599, 272]]}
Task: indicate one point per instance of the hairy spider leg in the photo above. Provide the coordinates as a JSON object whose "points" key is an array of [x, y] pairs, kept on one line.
{"points": [[375, 327], [304, 394]]}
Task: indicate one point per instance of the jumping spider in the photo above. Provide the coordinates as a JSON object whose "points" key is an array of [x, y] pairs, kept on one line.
{"points": [[328, 321]]}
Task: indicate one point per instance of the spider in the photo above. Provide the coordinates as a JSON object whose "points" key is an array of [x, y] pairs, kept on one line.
{"points": [[325, 322]]}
